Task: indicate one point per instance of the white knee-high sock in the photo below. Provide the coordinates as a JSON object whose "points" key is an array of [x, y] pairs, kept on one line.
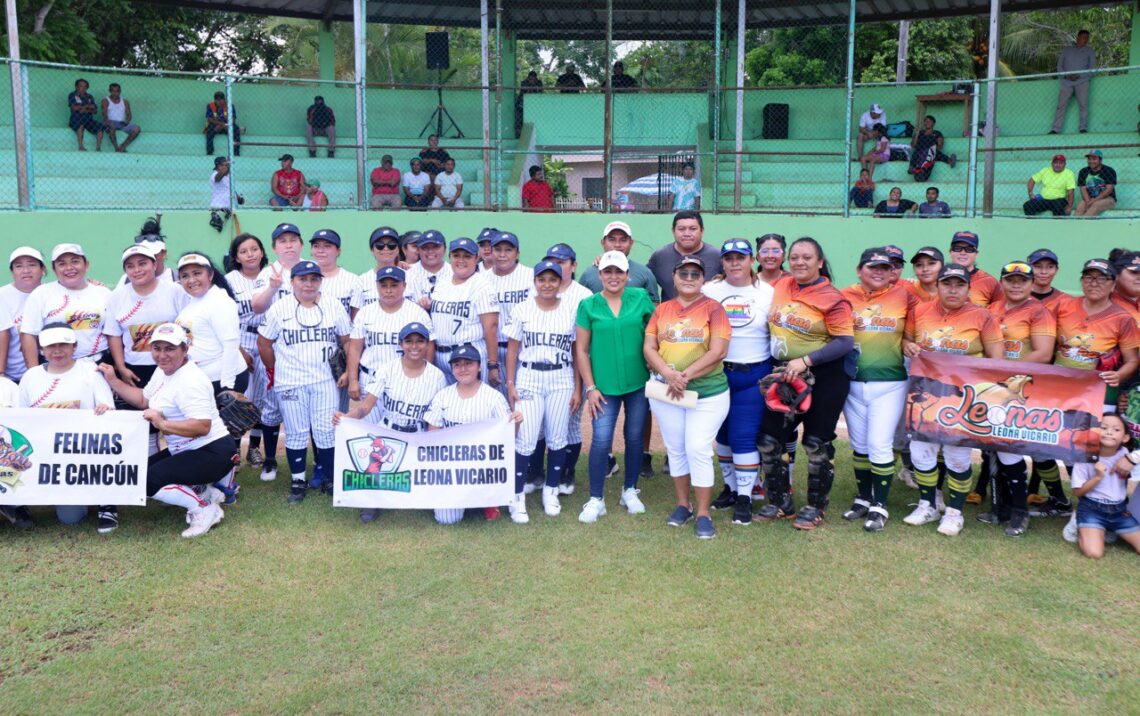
{"points": [[180, 496], [724, 457]]}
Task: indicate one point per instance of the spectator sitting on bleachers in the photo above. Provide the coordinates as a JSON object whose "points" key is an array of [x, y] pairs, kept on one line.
{"points": [[314, 199], [894, 206], [868, 120], [1097, 183], [1051, 189], [686, 190], [117, 117], [622, 81], [880, 153], [448, 187], [927, 143], [537, 194], [418, 190], [385, 185], [569, 82], [220, 193], [218, 118], [287, 184], [862, 193], [320, 119], [433, 157], [933, 206], [82, 106]]}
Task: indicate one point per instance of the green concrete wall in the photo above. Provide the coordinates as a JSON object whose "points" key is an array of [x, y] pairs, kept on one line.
{"points": [[105, 234]]}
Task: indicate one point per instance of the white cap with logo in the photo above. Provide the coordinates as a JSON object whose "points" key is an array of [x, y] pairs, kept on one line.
{"points": [[614, 258], [56, 335], [138, 250], [617, 226], [61, 249], [171, 333], [21, 251]]}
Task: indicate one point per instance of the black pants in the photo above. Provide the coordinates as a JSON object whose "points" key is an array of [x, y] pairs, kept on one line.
{"points": [[241, 382], [1034, 207], [203, 466], [212, 131], [827, 398], [423, 201]]}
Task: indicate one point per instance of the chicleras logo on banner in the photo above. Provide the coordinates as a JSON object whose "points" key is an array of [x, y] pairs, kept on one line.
{"points": [[378, 461]]}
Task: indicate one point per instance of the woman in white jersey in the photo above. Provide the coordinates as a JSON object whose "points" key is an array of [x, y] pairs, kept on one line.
{"points": [[338, 283], [70, 299], [463, 310], [245, 261], [375, 338], [385, 247], [511, 281], [210, 319], [27, 267]]}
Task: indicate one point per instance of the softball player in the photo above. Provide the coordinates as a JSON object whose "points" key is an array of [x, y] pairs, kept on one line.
{"points": [[344, 286], [409, 248], [299, 335], [27, 267], [542, 384], [247, 259], [467, 400], [463, 311], [70, 299], [431, 271], [400, 391], [486, 248], [385, 247], [375, 339], [512, 283], [210, 318]]}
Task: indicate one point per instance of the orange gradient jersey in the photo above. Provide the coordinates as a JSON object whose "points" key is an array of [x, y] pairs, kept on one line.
{"points": [[804, 319], [879, 322], [1130, 307], [963, 331], [684, 335], [1020, 324], [918, 291], [1054, 300], [984, 289], [1082, 339]]}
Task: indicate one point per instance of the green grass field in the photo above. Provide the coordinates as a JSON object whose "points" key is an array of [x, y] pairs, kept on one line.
{"points": [[302, 609]]}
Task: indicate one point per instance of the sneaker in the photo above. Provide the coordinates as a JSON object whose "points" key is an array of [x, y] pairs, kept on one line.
{"points": [[974, 498], [631, 502], [907, 476], [1037, 499], [647, 466], [680, 516], [594, 508], [772, 511], [1018, 523], [725, 500], [202, 519], [491, 514], [613, 468], [107, 520], [255, 457], [518, 510], [952, 522], [213, 495], [566, 488], [1070, 532], [327, 487], [742, 512], [18, 516], [705, 528], [858, 510], [297, 492], [1052, 508], [229, 494], [369, 515], [953, 161], [808, 518], [532, 487], [550, 504], [876, 519], [758, 493], [990, 518], [939, 502], [924, 514], [269, 472]]}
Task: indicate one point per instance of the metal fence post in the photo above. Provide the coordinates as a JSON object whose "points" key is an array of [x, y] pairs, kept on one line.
{"points": [[717, 54], [498, 201], [991, 105], [608, 117], [972, 167], [848, 110], [485, 81], [359, 30], [19, 118], [737, 172], [232, 118]]}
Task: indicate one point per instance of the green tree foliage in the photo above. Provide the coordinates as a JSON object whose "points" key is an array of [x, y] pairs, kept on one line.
{"points": [[555, 171], [671, 63], [936, 50], [808, 55], [1031, 41]]}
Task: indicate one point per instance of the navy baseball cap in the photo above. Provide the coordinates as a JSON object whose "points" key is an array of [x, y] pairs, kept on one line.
{"points": [[561, 252], [964, 237], [383, 232], [1099, 265], [431, 236], [465, 352], [505, 237], [305, 268], [953, 271], [548, 266], [393, 272], [286, 229], [736, 246], [1129, 261], [689, 261], [875, 257], [1043, 255], [895, 253], [463, 244], [326, 235], [1017, 268], [409, 237], [488, 234], [929, 252], [418, 329]]}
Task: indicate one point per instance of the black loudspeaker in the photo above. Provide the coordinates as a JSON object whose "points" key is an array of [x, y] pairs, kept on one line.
{"points": [[438, 56], [775, 121]]}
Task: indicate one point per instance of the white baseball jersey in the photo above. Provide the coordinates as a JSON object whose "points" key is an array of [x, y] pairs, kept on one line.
{"points": [[83, 310], [185, 395], [304, 339], [380, 331], [455, 310], [83, 386], [545, 337], [344, 286], [572, 295], [133, 317], [402, 401], [447, 408], [245, 289], [12, 302], [366, 294], [285, 289], [9, 393], [167, 276], [211, 323], [510, 290], [421, 282], [747, 308]]}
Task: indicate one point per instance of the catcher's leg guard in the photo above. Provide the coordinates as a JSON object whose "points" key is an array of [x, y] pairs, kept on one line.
{"points": [[774, 466], [821, 470]]}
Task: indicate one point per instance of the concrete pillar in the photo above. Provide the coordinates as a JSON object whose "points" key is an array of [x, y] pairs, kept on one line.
{"points": [[326, 51]]}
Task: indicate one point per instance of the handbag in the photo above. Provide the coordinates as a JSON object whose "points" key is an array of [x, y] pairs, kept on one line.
{"points": [[656, 390]]}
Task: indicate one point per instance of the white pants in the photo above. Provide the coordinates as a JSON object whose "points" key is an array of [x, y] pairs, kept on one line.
{"points": [[545, 408], [309, 408], [925, 456], [689, 433], [437, 203], [873, 410]]}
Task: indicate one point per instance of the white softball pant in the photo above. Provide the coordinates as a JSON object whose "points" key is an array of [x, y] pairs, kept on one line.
{"points": [[308, 408], [925, 456], [544, 401], [688, 434], [873, 410]]}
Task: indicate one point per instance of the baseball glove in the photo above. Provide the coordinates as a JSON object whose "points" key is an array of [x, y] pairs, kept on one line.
{"points": [[338, 362], [237, 412]]}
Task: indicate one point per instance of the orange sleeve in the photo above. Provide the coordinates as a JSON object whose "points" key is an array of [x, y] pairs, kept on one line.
{"points": [[651, 327], [1129, 336], [839, 319], [911, 321], [1044, 323], [719, 327], [990, 330]]}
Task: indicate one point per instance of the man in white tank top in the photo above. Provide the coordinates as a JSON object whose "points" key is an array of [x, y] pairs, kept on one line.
{"points": [[117, 117]]}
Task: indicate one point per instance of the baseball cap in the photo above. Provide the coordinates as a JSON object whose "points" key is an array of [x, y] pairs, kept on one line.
{"points": [[28, 251], [463, 244], [548, 266], [1100, 265], [929, 252], [305, 268], [57, 333], [283, 157], [895, 252], [1059, 156], [505, 237], [409, 237], [614, 258], [219, 161], [286, 229], [1129, 261], [418, 329], [876, 109], [1043, 255], [153, 241], [736, 246], [393, 272], [617, 226], [431, 236], [138, 250], [964, 237], [487, 234], [171, 333], [875, 257], [689, 261], [465, 352], [561, 252], [1017, 268], [954, 271], [326, 235], [382, 232], [193, 260], [61, 249], [1095, 153]]}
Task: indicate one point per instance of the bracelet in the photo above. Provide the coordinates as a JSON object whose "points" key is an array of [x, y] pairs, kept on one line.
{"points": [[589, 388], [492, 365]]}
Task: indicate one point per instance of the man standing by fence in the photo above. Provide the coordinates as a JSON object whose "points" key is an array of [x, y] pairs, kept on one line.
{"points": [[1075, 62]]}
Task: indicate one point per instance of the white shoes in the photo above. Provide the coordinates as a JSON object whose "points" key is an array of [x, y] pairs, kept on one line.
{"points": [[938, 501], [550, 503], [952, 522], [213, 495], [924, 514], [269, 474], [631, 501], [518, 510], [202, 519], [1070, 532], [530, 487], [566, 488], [594, 508]]}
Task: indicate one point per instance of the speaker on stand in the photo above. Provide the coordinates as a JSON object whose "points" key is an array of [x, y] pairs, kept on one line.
{"points": [[438, 53]]}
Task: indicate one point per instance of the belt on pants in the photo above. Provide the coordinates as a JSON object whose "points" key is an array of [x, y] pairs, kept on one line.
{"points": [[740, 367], [251, 329], [445, 349], [365, 370], [540, 365], [400, 428]]}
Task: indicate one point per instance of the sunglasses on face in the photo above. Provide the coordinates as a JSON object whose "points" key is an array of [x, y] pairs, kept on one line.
{"points": [[964, 249], [390, 245], [689, 275], [1017, 268]]}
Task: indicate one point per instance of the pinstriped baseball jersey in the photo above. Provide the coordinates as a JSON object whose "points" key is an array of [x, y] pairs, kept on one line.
{"points": [[133, 317], [12, 302], [83, 310], [285, 289], [510, 290], [447, 408], [573, 294], [544, 337], [455, 310], [380, 331], [83, 386], [420, 282], [244, 290], [344, 286], [404, 401], [304, 338]]}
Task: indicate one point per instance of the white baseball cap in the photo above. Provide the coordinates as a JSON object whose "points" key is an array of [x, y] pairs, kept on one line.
{"points": [[138, 250], [171, 333], [151, 241], [21, 251], [61, 249], [619, 226], [614, 258], [876, 109], [57, 334], [193, 260]]}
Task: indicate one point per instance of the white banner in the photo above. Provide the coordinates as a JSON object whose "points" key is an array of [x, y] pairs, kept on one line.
{"points": [[463, 466], [72, 457]]}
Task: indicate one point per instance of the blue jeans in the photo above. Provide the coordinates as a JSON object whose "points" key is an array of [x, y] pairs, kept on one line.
{"points": [[636, 412]]}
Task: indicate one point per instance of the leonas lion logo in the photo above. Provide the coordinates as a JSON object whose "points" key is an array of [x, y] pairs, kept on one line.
{"points": [[986, 408], [14, 458]]}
